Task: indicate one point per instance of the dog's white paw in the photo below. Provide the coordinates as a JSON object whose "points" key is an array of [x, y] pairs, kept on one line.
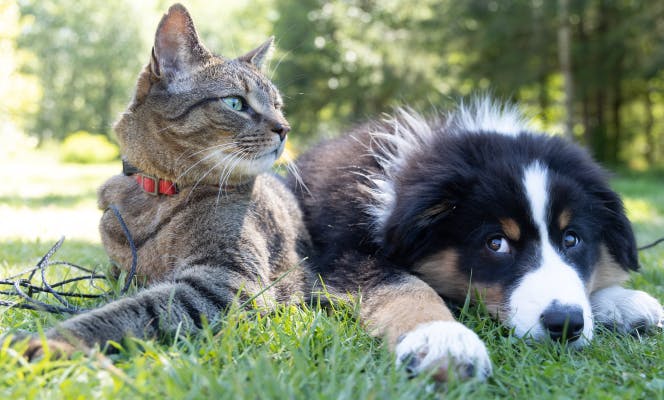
{"points": [[446, 348], [626, 310]]}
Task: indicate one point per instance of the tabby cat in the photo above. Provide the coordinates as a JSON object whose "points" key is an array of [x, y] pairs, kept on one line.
{"points": [[210, 229]]}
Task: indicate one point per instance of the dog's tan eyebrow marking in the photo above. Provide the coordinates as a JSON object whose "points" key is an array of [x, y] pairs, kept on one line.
{"points": [[564, 218], [511, 228]]}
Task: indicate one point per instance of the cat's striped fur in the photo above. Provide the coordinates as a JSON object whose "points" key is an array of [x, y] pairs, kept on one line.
{"points": [[230, 232]]}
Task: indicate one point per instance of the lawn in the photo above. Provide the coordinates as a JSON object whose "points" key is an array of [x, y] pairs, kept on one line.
{"points": [[292, 352]]}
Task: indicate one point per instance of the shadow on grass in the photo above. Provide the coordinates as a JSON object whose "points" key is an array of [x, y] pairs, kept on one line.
{"points": [[58, 200]]}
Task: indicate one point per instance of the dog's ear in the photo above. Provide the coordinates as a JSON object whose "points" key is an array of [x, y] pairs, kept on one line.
{"points": [[409, 229], [617, 231], [419, 209]]}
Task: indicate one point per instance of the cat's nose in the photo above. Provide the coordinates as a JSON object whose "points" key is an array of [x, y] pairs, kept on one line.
{"points": [[281, 130]]}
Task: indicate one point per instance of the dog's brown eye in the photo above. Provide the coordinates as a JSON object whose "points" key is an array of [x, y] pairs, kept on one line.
{"points": [[570, 239], [498, 243]]}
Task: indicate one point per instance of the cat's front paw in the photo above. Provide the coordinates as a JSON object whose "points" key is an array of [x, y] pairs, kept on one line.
{"points": [[49, 348], [626, 310], [447, 348], [35, 348]]}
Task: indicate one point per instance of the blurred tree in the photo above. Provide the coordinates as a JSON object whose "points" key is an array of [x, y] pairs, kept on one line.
{"points": [[642, 82], [616, 55], [18, 92], [565, 57], [514, 52], [86, 57], [350, 60]]}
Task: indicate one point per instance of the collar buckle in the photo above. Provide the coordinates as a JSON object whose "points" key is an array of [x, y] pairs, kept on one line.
{"points": [[155, 190]]}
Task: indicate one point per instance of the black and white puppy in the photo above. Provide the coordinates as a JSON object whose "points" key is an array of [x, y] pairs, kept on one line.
{"points": [[407, 210]]}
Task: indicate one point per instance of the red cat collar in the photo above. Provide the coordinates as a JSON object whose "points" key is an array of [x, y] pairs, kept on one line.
{"points": [[156, 186], [149, 183]]}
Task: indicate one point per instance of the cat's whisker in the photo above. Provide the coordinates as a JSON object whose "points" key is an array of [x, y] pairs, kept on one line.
{"points": [[195, 164], [222, 161], [241, 157], [222, 186], [226, 174], [228, 171], [230, 166], [215, 151], [250, 163], [295, 173], [222, 146]]}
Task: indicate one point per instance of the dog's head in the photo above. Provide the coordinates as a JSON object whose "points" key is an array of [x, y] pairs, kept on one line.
{"points": [[526, 222]]}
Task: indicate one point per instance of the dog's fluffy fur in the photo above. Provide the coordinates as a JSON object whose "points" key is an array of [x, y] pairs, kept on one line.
{"points": [[407, 210]]}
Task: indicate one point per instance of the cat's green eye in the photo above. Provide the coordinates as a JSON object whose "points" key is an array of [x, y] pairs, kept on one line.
{"points": [[233, 102]]}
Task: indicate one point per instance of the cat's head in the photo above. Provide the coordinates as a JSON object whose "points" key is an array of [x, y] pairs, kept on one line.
{"points": [[201, 118]]}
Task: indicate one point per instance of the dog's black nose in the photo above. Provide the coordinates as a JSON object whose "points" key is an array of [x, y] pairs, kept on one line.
{"points": [[563, 322], [281, 130]]}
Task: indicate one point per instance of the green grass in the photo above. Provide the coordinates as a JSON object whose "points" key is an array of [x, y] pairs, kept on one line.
{"points": [[292, 352]]}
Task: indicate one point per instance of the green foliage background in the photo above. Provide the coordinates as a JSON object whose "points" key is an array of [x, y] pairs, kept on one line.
{"points": [[341, 62]]}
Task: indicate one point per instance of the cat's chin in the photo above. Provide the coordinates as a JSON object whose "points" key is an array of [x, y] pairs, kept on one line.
{"points": [[258, 165], [273, 155]]}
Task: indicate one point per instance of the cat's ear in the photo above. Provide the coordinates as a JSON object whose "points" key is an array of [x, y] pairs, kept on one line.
{"points": [[177, 46], [260, 54]]}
